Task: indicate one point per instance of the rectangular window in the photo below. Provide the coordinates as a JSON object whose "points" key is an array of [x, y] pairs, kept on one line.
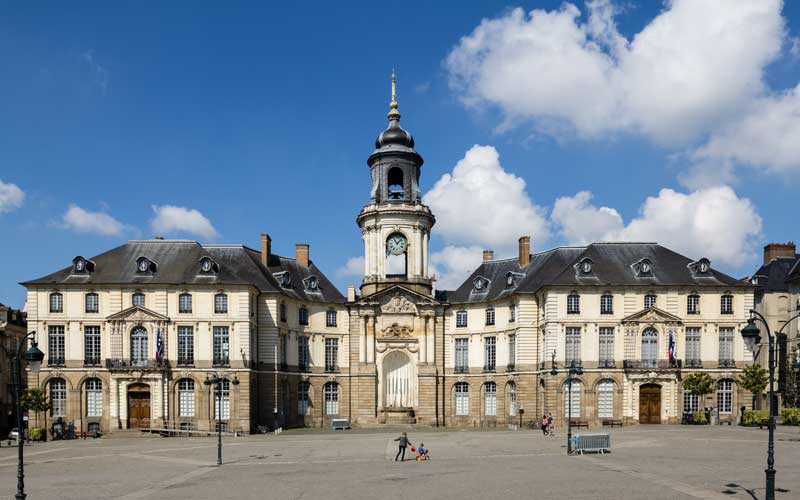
{"points": [[575, 390], [512, 351], [726, 346], [302, 399], [490, 353], [489, 316], [490, 399], [512, 313], [303, 356], [94, 398], [221, 346], [56, 303], [222, 405], [573, 345], [691, 402], [331, 355], [185, 303], [302, 316], [58, 398], [137, 299], [55, 345], [726, 304], [462, 399], [282, 353], [693, 304], [725, 396], [607, 304], [92, 303], [220, 303], [186, 398], [331, 399], [185, 345], [605, 399], [461, 319], [91, 346], [330, 319], [573, 303], [462, 354], [693, 347], [649, 301], [606, 347]]}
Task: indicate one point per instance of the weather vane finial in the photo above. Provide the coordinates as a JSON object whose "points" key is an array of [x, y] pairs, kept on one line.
{"points": [[394, 114]]}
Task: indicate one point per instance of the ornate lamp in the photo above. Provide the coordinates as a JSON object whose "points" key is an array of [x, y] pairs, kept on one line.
{"points": [[751, 335]]}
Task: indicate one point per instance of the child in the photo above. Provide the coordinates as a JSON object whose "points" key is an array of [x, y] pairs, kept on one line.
{"points": [[422, 452], [550, 424], [544, 424]]}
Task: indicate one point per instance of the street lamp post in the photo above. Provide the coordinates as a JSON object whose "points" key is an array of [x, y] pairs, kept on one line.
{"points": [[574, 369], [34, 358], [752, 337], [217, 379]]}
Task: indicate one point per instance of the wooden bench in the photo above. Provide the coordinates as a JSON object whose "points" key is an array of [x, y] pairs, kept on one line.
{"points": [[612, 423], [764, 423], [580, 423]]}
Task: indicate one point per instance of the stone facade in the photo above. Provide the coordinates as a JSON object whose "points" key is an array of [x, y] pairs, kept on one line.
{"points": [[13, 326]]}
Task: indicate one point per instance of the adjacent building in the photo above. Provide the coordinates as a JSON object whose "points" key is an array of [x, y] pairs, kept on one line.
{"points": [[130, 335], [13, 326]]}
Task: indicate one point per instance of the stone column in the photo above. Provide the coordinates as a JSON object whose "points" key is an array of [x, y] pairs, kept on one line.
{"points": [[419, 236], [424, 270], [362, 340], [113, 403], [370, 339], [432, 340], [123, 406], [423, 343]]}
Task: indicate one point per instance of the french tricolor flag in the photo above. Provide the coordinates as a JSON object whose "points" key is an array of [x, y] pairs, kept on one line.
{"points": [[159, 346], [671, 348]]}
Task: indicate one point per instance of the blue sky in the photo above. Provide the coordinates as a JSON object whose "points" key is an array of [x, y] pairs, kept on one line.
{"points": [[219, 123]]}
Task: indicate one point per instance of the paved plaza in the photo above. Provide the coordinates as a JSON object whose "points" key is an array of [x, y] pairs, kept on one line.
{"points": [[647, 462]]}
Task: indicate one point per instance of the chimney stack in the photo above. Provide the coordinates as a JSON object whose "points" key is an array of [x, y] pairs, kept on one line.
{"points": [[775, 250], [524, 251], [266, 248], [351, 293], [301, 253], [488, 255]]}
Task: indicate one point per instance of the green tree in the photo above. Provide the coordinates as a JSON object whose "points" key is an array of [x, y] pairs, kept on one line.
{"points": [[35, 400], [754, 378], [699, 383]]}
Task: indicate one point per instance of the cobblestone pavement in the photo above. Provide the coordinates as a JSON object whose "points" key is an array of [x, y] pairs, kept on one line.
{"points": [[647, 462]]}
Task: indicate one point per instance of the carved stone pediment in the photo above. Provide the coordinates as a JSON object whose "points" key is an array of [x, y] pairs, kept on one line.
{"points": [[137, 314], [395, 331], [398, 303], [652, 315]]}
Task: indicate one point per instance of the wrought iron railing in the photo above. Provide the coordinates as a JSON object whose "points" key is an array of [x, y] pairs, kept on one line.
{"points": [[694, 363], [142, 364], [650, 364], [607, 363], [91, 361], [727, 363]]}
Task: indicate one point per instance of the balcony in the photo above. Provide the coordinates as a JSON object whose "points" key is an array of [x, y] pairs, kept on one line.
{"points": [[489, 368], [607, 363], [185, 360], [55, 361], [220, 362], [510, 367], [461, 369], [136, 364], [694, 363], [331, 369], [91, 361], [651, 364], [727, 363]]}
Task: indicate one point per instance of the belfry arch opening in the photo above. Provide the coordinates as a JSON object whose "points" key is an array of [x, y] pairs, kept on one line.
{"points": [[395, 185]]}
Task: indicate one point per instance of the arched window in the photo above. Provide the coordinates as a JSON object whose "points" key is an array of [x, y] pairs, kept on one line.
{"points": [[725, 396], [186, 397], [94, 398], [139, 346], [650, 348], [331, 398], [396, 187], [573, 303], [137, 299], [302, 315], [58, 397], [220, 303], [490, 399], [92, 302], [649, 300], [572, 392], [693, 304], [222, 405], [512, 399], [605, 399], [462, 399], [606, 304], [56, 302], [303, 399], [489, 316], [185, 303]]}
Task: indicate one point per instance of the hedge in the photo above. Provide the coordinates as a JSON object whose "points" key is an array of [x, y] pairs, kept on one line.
{"points": [[699, 417], [36, 433], [754, 417], [791, 416]]}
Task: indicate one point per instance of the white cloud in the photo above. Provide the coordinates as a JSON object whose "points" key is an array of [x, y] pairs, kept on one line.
{"points": [[100, 73], [479, 203], [694, 66], [453, 264], [84, 221], [170, 219], [712, 222], [11, 197], [353, 267]]}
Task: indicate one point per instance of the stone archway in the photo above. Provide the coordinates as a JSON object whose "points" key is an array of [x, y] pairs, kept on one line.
{"points": [[399, 382]]}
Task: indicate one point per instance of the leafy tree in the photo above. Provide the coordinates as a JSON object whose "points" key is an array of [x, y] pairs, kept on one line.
{"points": [[35, 400], [699, 383], [754, 378]]}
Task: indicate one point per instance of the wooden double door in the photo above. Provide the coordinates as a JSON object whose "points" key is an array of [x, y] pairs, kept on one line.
{"points": [[138, 406], [650, 404]]}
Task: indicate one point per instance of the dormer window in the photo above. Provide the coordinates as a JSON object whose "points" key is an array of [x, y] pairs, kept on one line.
{"points": [[208, 266], [81, 265], [311, 284], [512, 278], [284, 278], [145, 265], [701, 267], [585, 267], [481, 284], [643, 268]]}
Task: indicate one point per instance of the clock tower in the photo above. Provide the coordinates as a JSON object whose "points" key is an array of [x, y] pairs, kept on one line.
{"points": [[395, 225]]}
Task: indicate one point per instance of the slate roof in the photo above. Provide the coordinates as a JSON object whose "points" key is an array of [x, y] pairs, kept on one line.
{"points": [[775, 274], [178, 263], [612, 266]]}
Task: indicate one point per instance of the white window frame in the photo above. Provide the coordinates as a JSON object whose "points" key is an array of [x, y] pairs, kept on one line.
{"points": [[58, 397], [303, 353], [462, 399], [725, 396], [330, 318], [576, 399], [222, 346], [650, 300], [573, 303], [91, 302], [185, 303], [137, 299], [606, 304], [185, 345], [726, 304], [691, 402], [91, 345], [512, 399], [461, 354], [461, 319], [56, 302], [303, 398], [605, 399], [223, 413], [331, 354], [572, 345], [331, 398], [94, 397], [512, 349], [490, 399], [56, 350], [220, 303], [186, 398], [606, 344], [490, 353], [490, 316], [693, 304]]}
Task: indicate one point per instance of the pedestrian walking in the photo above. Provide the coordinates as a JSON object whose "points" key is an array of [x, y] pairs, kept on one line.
{"points": [[403, 442], [550, 424], [544, 425]]}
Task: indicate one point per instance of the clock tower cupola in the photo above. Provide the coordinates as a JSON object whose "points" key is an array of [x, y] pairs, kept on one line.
{"points": [[395, 225]]}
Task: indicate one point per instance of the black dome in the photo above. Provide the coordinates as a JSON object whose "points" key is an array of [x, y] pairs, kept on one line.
{"points": [[394, 135]]}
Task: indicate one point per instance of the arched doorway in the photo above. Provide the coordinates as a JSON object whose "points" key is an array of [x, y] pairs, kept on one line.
{"points": [[650, 404], [138, 406], [398, 381]]}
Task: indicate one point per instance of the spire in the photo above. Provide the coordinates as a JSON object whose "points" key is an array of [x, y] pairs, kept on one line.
{"points": [[394, 114]]}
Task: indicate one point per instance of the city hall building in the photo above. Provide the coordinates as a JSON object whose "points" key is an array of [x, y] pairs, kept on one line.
{"points": [[131, 335]]}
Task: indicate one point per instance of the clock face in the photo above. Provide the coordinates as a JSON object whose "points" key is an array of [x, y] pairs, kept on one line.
{"points": [[144, 265], [396, 244]]}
